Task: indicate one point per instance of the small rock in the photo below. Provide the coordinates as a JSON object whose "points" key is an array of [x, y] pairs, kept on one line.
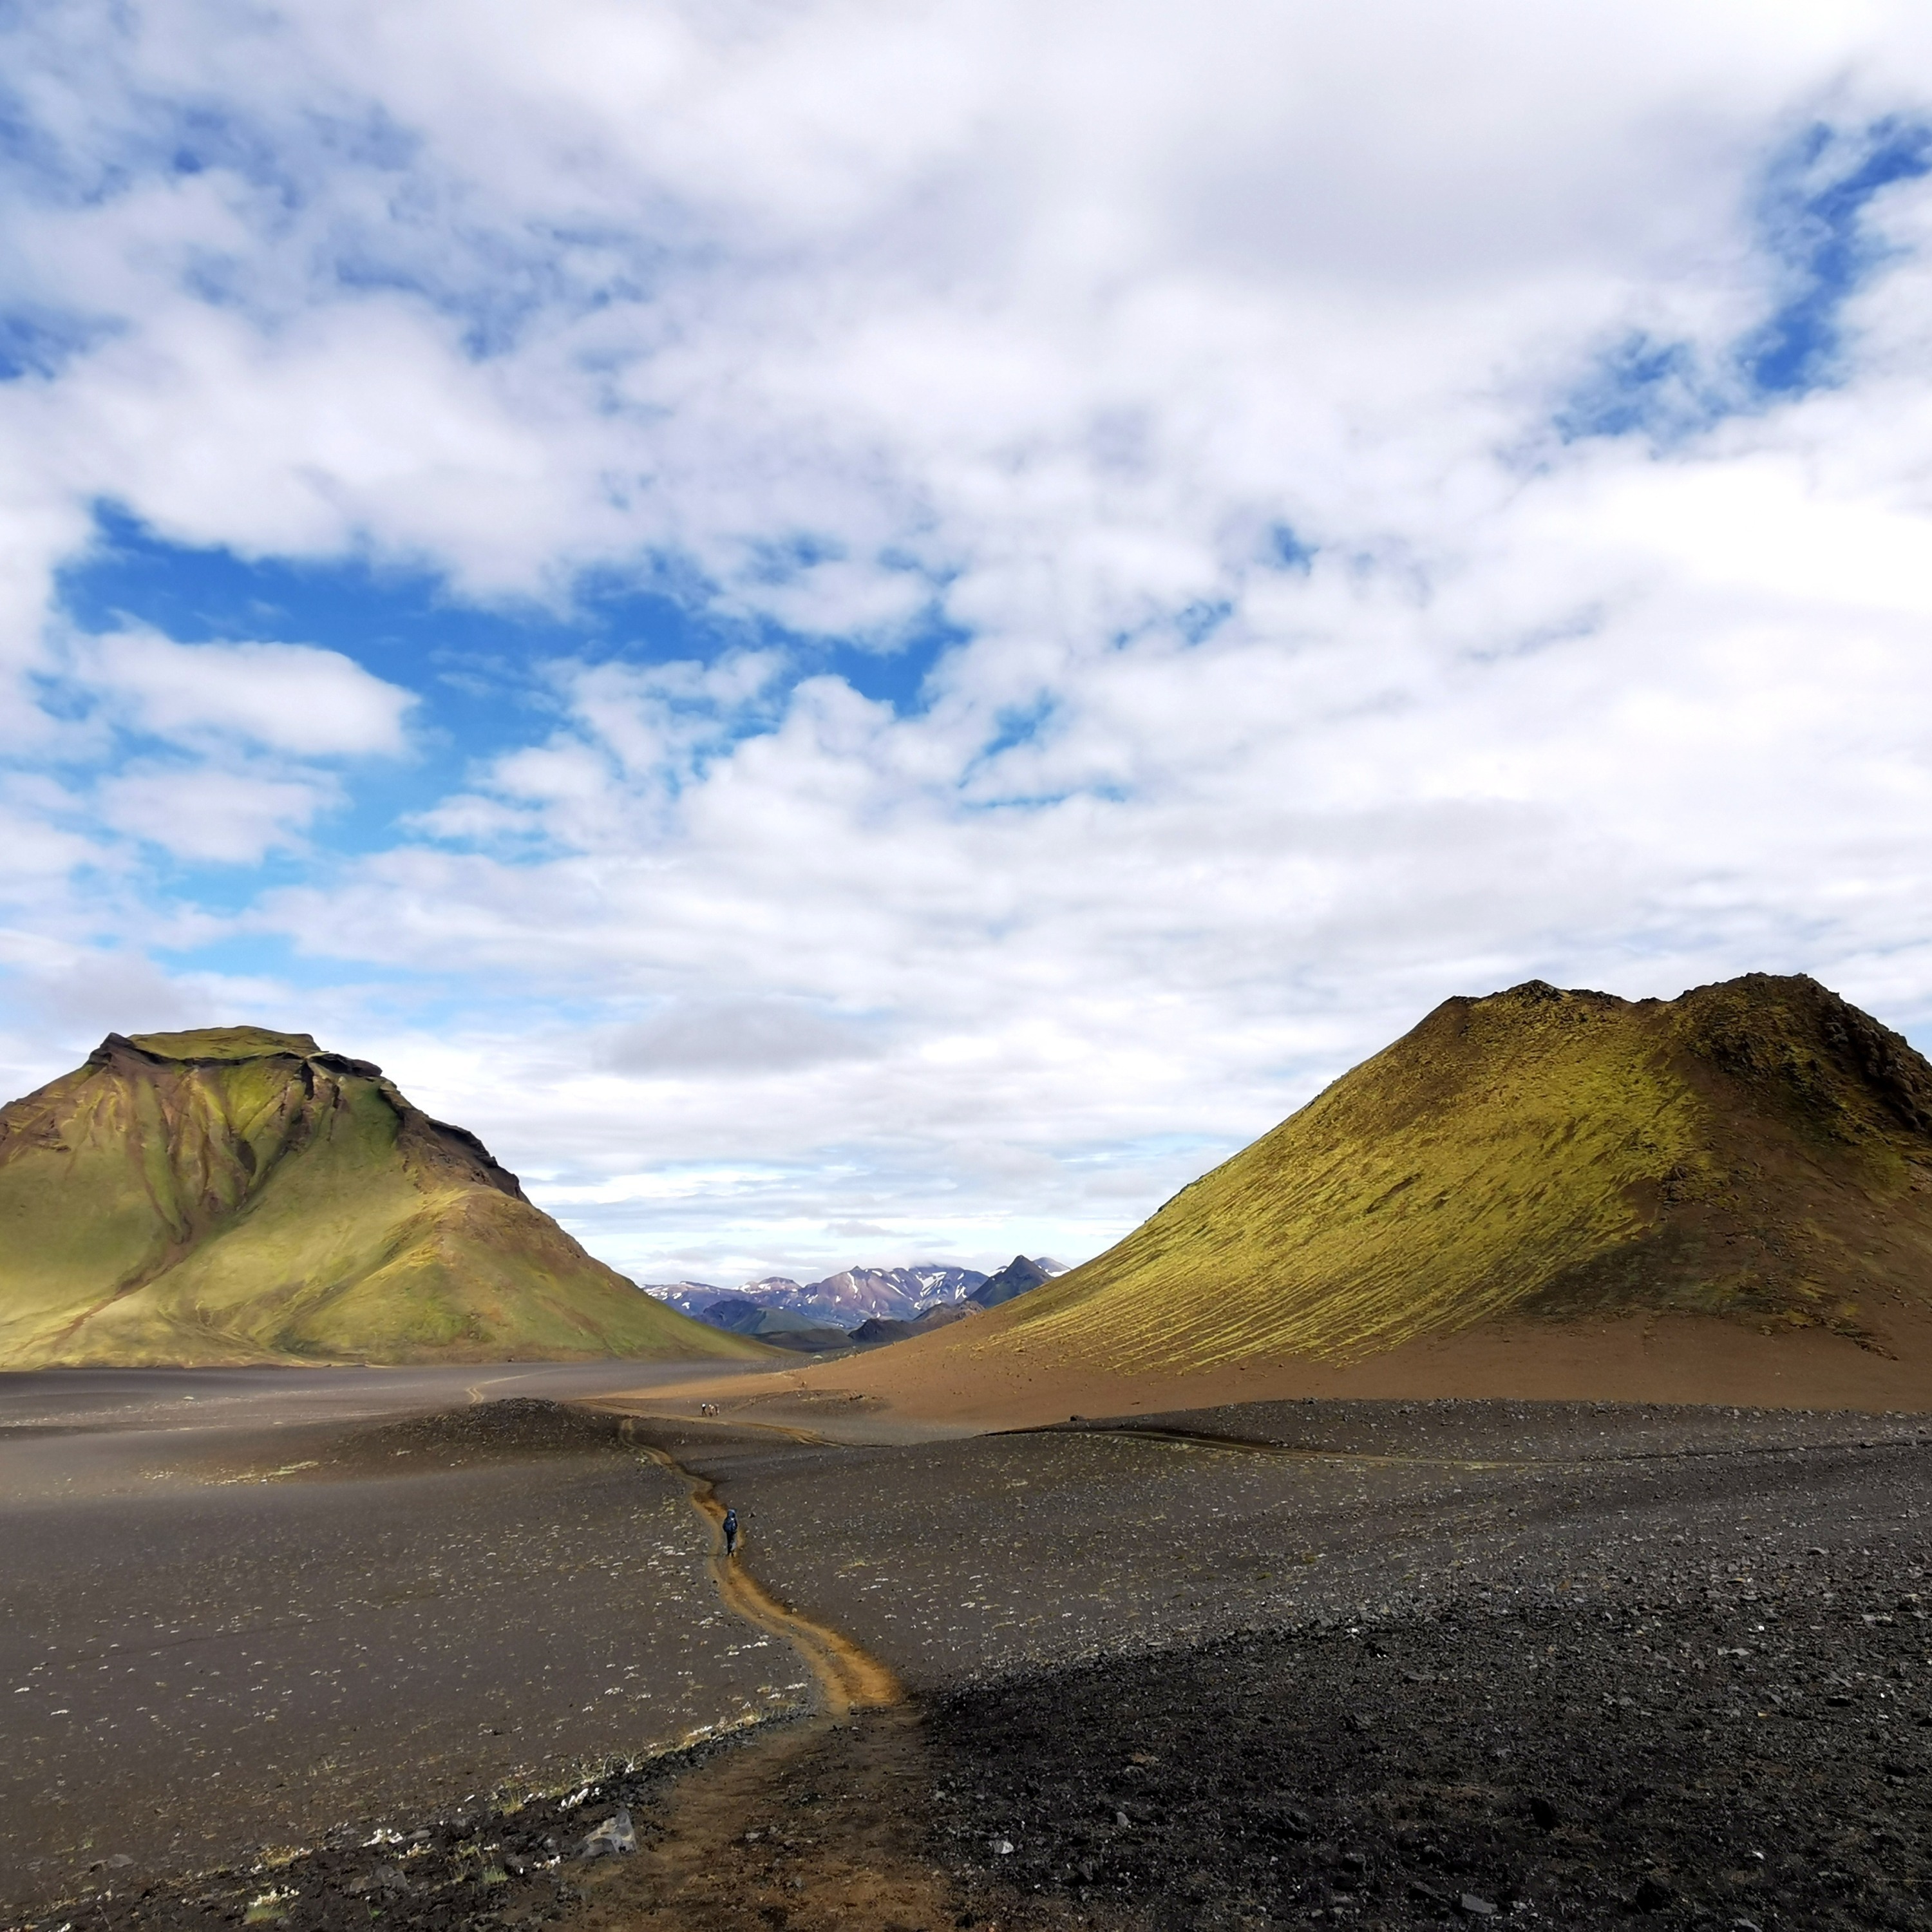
{"points": [[1120, 1818], [1473, 1906], [616, 1835], [1002, 1847], [116, 1860]]}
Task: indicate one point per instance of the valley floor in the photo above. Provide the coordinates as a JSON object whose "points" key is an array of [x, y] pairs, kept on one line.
{"points": [[1370, 1663]]}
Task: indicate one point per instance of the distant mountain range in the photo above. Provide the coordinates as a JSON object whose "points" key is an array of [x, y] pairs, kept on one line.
{"points": [[873, 1334], [843, 1301], [782, 1327]]}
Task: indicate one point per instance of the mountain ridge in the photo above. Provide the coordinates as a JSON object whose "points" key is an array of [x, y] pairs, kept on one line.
{"points": [[1523, 1185], [856, 1295], [236, 1194], [1552, 1153]]}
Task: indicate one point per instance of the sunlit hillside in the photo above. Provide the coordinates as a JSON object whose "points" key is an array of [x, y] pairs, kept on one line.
{"points": [[1758, 1149], [235, 1195]]}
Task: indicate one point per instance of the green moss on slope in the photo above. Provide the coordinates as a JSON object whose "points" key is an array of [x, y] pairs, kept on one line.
{"points": [[1758, 1149], [235, 1195]]}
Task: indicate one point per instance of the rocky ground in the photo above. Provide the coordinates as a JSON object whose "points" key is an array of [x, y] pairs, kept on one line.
{"points": [[279, 1630], [1370, 1664], [1719, 1756], [979, 1557]]}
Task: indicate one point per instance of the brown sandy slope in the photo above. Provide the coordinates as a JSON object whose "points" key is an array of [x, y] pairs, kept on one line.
{"points": [[1725, 1197], [237, 1195]]}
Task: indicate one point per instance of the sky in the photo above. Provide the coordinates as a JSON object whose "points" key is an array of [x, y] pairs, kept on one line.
{"points": [[870, 633]]}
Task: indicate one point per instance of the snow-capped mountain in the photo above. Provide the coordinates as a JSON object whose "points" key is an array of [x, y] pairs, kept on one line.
{"points": [[845, 1299], [687, 1296], [859, 1294]]}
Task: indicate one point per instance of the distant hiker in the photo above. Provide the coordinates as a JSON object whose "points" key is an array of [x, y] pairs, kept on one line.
{"points": [[730, 1532]]}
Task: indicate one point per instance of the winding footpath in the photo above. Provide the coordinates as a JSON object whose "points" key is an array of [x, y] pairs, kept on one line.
{"points": [[849, 1678]]}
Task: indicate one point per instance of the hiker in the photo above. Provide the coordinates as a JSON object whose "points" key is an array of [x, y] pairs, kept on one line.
{"points": [[730, 1532]]}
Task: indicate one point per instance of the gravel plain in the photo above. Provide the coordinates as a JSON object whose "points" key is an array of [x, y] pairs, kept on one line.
{"points": [[222, 1642], [1378, 1664]]}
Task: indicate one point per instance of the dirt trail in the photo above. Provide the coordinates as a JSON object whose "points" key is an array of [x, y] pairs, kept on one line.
{"points": [[805, 1826], [849, 1678]]}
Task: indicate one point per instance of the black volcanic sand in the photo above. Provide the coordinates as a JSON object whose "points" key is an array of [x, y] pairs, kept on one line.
{"points": [[287, 1628], [976, 1557], [1678, 1756], [1382, 1664]]}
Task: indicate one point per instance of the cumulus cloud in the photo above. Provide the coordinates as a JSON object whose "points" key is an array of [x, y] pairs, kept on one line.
{"points": [[1368, 505], [228, 817], [291, 698]]}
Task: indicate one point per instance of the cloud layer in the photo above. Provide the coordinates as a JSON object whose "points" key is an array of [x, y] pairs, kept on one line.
{"points": [[1198, 534]]}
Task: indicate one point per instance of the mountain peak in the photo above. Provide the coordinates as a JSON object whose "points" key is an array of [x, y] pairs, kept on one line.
{"points": [[236, 1194], [1020, 1276], [1757, 1149]]}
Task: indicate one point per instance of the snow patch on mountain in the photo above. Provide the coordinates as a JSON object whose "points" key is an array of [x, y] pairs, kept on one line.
{"points": [[846, 1299]]}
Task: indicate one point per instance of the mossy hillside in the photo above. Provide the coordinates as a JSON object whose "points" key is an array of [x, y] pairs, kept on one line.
{"points": [[1758, 1149], [103, 1178], [236, 1195]]}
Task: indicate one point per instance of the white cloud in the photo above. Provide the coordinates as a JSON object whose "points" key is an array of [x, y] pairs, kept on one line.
{"points": [[719, 1038], [290, 697], [1055, 319], [230, 817]]}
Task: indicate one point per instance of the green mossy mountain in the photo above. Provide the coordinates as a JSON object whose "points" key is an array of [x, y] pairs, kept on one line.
{"points": [[1760, 1150], [235, 1195]]}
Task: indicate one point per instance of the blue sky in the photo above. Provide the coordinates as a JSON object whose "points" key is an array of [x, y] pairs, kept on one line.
{"points": [[873, 640]]}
